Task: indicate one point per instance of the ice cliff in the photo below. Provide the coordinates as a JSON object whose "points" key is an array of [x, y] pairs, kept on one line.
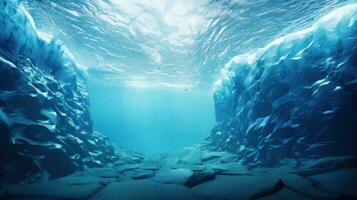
{"points": [[294, 99], [45, 126]]}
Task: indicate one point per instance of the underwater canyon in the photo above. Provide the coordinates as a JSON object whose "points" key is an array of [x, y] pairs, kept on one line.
{"points": [[178, 100]]}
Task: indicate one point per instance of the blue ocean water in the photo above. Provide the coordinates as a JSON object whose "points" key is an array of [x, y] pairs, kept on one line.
{"points": [[178, 99], [156, 120], [159, 52]]}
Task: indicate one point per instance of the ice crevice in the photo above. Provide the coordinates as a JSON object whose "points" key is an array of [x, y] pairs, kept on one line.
{"points": [[284, 120]]}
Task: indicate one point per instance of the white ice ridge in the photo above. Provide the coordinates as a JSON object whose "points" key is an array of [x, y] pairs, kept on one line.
{"points": [[19, 35], [327, 29]]}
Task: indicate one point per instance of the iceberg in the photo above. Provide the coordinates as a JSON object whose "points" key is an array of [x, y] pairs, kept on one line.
{"points": [[295, 98], [45, 125]]}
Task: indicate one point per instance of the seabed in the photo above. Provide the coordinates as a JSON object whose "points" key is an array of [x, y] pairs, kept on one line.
{"points": [[197, 174]]}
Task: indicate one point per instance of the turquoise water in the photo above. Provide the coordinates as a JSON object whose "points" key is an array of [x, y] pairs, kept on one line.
{"points": [[152, 120]]}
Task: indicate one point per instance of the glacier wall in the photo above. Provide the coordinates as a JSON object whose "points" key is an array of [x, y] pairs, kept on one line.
{"points": [[45, 125], [294, 99]]}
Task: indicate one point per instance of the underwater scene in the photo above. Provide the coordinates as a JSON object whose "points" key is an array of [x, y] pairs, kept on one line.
{"points": [[178, 99]]}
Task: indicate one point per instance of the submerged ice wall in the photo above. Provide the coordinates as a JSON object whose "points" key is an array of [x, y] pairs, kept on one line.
{"points": [[294, 99], [45, 125]]}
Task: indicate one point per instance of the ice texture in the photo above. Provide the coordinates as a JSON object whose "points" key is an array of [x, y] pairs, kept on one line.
{"points": [[295, 98], [45, 126]]}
